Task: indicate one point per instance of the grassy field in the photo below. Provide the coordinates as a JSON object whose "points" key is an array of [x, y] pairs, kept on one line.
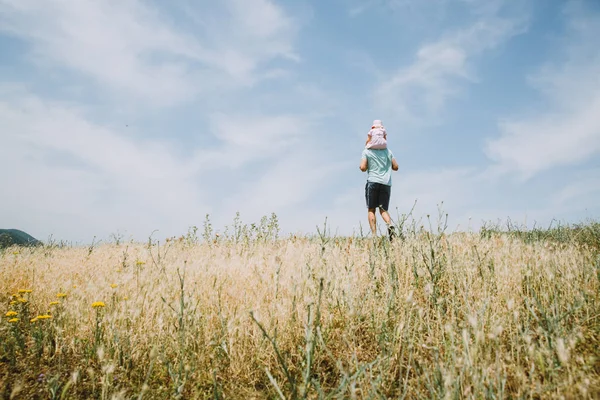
{"points": [[489, 314]]}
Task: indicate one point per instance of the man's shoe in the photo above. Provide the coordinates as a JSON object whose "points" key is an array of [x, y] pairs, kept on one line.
{"points": [[391, 232]]}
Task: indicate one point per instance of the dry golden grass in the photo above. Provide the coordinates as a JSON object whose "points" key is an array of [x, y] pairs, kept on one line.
{"points": [[433, 316]]}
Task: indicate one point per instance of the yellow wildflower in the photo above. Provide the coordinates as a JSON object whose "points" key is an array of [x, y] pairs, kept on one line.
{"points": [[139, 262], [97, 304], [33, 319], [53, 303], [74, 286], [12, 303], [113, 285], [13, 320], [45, 316], [61, 295], [25, 290], [15, 253], [11, 314], [125, 298], [22, 300]]}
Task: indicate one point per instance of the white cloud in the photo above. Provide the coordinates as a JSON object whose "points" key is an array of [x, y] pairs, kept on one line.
{"points": [[130, 47], [413, 8], [541, 143], [420, 11], [243, 35], [277, 163], [286, 185], [256, 133], [242, 139], [578, 193], [566, 132], [71, 177], [418, 93]]}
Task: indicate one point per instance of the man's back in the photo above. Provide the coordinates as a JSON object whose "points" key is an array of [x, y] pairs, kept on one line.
{"points": [[379, 165]]}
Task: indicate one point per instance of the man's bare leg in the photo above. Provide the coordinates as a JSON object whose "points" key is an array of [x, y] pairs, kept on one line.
{"points": [[385, 216], [372, 221]]}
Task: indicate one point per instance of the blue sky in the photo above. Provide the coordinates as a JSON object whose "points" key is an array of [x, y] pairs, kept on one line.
{"points": [[140, 115]]}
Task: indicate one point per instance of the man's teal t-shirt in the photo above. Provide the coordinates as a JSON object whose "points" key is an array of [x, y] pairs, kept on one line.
{"points": [[379, 165]]}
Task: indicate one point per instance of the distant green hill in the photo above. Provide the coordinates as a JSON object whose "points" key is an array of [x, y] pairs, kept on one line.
{"points": [[9, 237]]}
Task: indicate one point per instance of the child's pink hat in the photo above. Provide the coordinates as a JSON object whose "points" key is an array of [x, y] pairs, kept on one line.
{"points": [[377, 122]]}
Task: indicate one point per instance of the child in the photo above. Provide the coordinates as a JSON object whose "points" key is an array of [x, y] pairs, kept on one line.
{"points": [[377, 136]]}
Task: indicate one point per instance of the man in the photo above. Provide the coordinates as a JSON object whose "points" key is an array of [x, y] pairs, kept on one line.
{"points": [[379, 165]]}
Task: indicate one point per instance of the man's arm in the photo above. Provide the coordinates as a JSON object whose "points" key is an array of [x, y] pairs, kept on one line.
{"points": [[394, 164], [363, 164]]}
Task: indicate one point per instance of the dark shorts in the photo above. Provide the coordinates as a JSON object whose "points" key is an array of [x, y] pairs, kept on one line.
{"points": [[377, 195]]}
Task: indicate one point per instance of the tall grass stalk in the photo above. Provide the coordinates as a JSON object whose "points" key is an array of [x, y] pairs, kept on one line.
{"points": [[500, 313]]}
